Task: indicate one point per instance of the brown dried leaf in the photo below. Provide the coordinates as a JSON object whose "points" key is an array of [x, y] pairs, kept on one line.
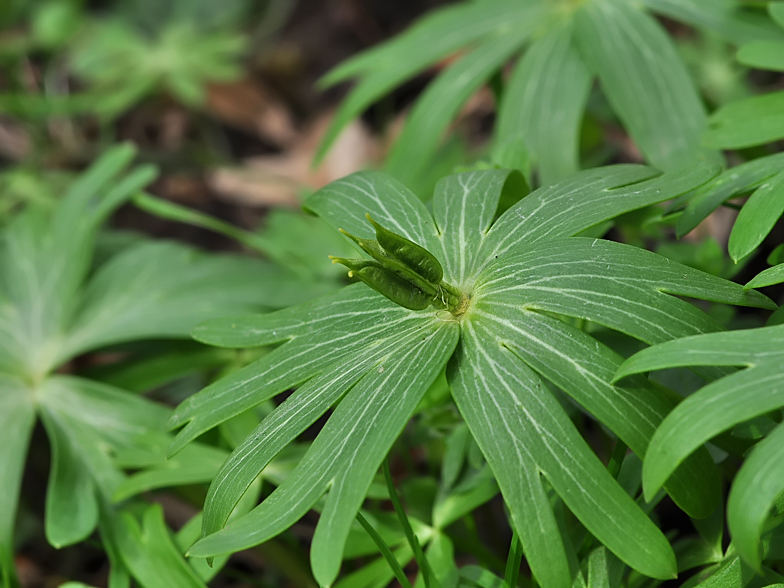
{"points": [[278, 180], [247, 104]]}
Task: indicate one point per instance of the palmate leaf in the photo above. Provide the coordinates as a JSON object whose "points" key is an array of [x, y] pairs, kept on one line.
{"points": [[717, 407], [644, 79], [374, 359], [44, 259], [52, 308], [345, 456], [543, 101], [515, 422], [86, 423], [293, 416], [156, 290]]}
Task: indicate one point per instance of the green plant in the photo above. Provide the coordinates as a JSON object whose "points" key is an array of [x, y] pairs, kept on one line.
{"points": [[542, 102], [59, 301], [486, 350], [737, 125], [526, 285], [136, 50], [123, 65], [759, 119], [749, 403]]}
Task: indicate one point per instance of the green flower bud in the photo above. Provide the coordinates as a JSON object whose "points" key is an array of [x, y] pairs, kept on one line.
{"points": [[419, 259], [401, 270], [372, 248], [390, 285], [354, 265], [393, 264]]}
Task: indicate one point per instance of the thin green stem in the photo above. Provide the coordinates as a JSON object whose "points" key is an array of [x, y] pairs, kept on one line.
{"points": [[513, 562], [616, 459], [171, 211], [424, 565], [385, 551]]}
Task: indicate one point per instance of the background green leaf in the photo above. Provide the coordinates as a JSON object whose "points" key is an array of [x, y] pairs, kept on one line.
{"points": [[644, 80], [149, 552], [417, 144], [543, 102], [17, 416], [726, 17], [763, 55], [165, 289], [729, 184], [433, 37], [772, 275], [748, 122], [755, 491], [757, 217]]}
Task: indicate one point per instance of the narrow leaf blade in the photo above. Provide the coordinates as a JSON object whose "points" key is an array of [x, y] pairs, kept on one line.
{"points": [[584, 200], [543, 103], [414, 149], [757, 217], [729, 184], [17, 416], [724, 17], [71, 503], [583, 368], [748, 122], [644, 79], [491, 412], [754, 492], [573, 470]]}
